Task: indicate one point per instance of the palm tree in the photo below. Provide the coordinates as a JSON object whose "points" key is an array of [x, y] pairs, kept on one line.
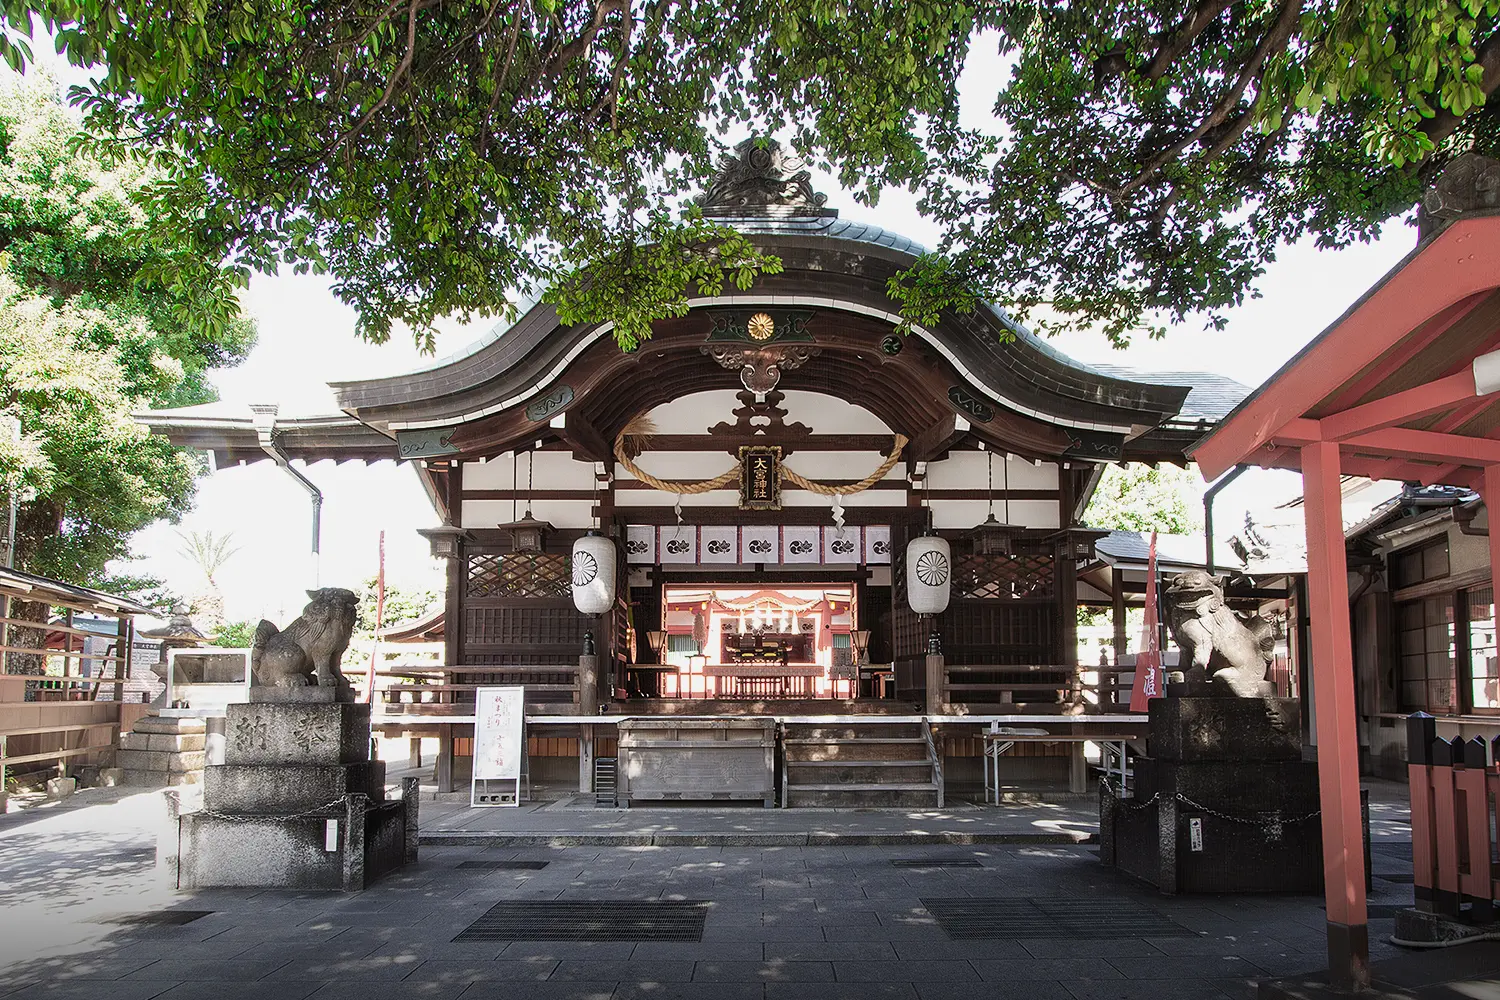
{"points": [[209, 553]]}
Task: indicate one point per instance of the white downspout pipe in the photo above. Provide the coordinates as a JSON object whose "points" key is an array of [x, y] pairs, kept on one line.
{"points": [[265, 432]]}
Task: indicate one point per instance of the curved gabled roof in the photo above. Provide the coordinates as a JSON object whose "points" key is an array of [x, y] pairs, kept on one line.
{"points": [[835, 273], [831, 266]]}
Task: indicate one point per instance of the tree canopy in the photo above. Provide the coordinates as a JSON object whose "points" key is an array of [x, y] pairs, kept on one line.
{"points": [[1142, 162], [100, 315], [1144, 498]]}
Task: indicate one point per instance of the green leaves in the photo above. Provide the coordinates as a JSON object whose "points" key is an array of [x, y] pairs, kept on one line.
{"points": [[636, 278], [1143, 162], [108, 304]]}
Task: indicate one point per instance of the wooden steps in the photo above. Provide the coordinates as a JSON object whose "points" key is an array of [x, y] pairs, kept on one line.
{"points": [[860, 764]]}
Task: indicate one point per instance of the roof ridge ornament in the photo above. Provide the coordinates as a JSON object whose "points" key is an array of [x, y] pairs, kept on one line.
{"points": [[763, 179], [1470, 183]]}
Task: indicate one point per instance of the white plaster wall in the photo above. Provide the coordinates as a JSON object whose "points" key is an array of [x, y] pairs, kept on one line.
{"points": [[554, 470], [968, 513], [968, 470], [695, 413], [561, 513]]}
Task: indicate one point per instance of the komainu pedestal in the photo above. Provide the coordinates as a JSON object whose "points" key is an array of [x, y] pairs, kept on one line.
{"points": [[1224, 802], [297, 803]]}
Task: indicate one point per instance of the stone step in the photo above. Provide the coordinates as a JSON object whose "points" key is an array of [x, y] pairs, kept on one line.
{"points": [[157, 779], [168, 725], [165, 761], [175, 743]]}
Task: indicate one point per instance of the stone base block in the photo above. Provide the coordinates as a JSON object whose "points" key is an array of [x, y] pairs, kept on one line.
{"points": [[158, 779], [168, 725], [61, 788], [1217, 827], [345, 849], [175, 743], [307, 695], [270, 733], [1201, 729], [161, 760], [109, 777], [266, 788], [1434, 928]]}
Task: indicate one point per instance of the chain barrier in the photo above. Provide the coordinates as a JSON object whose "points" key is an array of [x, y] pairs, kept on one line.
{"points": [[337, 805], [1273, 824]]}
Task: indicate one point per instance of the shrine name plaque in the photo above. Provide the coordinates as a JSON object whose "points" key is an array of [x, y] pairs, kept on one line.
{"points": [[760, 477]]}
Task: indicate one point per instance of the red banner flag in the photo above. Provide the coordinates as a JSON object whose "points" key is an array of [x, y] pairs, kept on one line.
{"points": [[1148, 673], [379, 621]]}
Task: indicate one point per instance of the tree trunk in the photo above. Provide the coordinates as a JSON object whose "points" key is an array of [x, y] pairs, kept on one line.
{"points": [[31, 664]]}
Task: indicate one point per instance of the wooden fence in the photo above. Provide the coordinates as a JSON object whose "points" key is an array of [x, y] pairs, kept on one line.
{"points": [[1453, 785]]}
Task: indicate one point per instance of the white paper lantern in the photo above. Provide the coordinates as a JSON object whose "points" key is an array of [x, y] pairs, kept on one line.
{"points": [[929, 574], [593, 574]]}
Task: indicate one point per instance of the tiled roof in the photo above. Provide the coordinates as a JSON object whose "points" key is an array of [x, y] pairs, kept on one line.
{"points": [[1212, 395]]}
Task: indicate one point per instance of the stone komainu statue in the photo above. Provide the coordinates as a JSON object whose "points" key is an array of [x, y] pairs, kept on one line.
{"points": [[309, 649], [1231, 653]]}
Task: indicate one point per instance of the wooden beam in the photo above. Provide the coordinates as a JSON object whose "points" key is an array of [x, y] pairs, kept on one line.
{"points": [[931, 442], [1396, 442], [1461, 262], [1441, 394], [583, 437]]}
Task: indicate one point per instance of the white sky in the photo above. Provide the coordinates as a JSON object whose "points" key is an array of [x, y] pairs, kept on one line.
{"points": [[307, 339]]}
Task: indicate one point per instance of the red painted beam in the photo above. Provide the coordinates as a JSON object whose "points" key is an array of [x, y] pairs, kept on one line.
{"points": [[1334, 717], [1436, 396], [1396, 442], [1463, 261]]}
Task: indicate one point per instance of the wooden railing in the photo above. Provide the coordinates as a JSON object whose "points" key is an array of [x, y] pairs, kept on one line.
{"points": [[1452, 784], [1042, 689], [443, 690]]}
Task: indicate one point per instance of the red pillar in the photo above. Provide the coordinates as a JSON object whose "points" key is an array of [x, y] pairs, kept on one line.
{"points": [[1338, 742]]}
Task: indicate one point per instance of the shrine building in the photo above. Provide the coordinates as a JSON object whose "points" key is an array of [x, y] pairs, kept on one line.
{"points": [[779, 508]]}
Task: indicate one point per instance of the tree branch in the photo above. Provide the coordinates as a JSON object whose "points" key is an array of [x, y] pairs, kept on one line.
{"points": [[1170, 45], [1177, 42], [1275, 41], [1445, 123]]}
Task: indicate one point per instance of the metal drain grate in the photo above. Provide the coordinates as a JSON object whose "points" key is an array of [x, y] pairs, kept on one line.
{"points": [[937, 863], [1084, 919], [160, 918], [590, 920], [520, 866]]}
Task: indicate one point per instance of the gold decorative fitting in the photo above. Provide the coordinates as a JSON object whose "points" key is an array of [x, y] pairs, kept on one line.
{"points": [[761, 327]]}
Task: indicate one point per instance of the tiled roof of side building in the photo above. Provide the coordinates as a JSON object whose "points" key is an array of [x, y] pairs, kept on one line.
{"points": [[1212, 396]]}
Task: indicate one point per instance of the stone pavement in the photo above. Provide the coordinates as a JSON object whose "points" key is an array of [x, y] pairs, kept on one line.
{"points": [[573, 821], [782, 922]]}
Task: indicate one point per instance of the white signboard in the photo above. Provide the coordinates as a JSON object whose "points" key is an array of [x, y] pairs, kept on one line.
{"points": [[499, 742]]}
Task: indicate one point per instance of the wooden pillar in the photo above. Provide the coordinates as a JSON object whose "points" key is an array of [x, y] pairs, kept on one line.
{"points": [[1078, 767], [1338, 749], [453, 621], [585, 759], [588, 685], [1065, 576], [414, 751], [442, 768], [936, 675], [1121, 637]]}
